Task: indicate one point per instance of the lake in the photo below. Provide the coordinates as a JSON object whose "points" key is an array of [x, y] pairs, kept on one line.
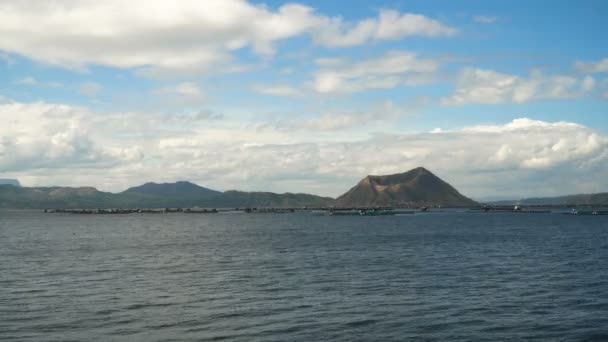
{"points": [[450, 276]]}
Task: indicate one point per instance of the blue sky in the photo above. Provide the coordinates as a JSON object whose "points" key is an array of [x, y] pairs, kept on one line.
{"points": [[123, 93]]}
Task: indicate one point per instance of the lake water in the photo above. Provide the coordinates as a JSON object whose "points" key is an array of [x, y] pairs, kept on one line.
{"points": [[299, 277]]}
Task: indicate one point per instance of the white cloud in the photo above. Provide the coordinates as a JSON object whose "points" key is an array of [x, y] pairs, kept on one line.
{"points": [[31, 81], [330, 122], [158, 36], [44, 144], [338, 75], [191, 118], [185, 93], [522, 125], [27, 81], [286, 70], [374, 116], [278, 90], [489, 86], [505, 160], [207, 115], [588, 83], [593, 67], [170, 35], [90, 88], [390, 70], [41, 135], [485, 19], [188, 88], [390, 25]]}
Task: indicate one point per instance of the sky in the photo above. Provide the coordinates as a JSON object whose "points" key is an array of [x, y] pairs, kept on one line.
{"points": [[502, 99]]}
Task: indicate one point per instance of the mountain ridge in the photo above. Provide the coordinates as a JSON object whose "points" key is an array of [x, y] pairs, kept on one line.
{"points": [[599, 198], [9, 181], [91, 198], [179, 188], [416, 187]]}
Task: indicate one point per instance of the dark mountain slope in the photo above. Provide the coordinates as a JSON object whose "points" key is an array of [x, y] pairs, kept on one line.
{"points": [[8, 181], [417, 187], [581, 199], [181, 189]]}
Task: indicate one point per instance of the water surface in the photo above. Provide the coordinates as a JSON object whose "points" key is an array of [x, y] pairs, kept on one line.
{"points": [[299, 277]]}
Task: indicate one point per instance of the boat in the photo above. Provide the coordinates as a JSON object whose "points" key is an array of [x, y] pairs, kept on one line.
{"points": [[587, 212]]}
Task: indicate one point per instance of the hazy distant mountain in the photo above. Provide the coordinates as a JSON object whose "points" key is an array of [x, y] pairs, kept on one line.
{"points": [[55, 197], [150, 195], [417, 187], [268, 199], [182, 189], [581, 199], [7, 181]]}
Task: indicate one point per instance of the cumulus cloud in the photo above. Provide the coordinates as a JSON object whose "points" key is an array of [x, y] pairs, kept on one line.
{"points": [[207, 115], [27, 81], [278, 90], [187, 88], [390, 25], [340, 75], [90, 88], [185, 93], [488, 86], [31, 81], [43, 144], [144, 33], [500, 160], [374, 116], [387, 71], [183, 35], [593, 67], [42, 135], [588, 83]]}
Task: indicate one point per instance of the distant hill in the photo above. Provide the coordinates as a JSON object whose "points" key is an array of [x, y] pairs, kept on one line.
{"points": [[417, 187], [268, 199], [56, 197], [581, 199], [182, 189], [150, 195], [7, 181]]}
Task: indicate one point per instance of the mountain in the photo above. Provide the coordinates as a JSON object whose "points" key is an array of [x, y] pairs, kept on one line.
{"points": [[182, 189], [53, 197], [417, 187], [235, 198], [186, 194], [581, 199], [7, 181], [149, 195]]}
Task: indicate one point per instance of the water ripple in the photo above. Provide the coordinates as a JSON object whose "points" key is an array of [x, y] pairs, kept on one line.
{"points": [[448, 277]]}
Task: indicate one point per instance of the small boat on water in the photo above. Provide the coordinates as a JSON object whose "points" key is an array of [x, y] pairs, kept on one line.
{"points": [[515, 209], [587, 212]]}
